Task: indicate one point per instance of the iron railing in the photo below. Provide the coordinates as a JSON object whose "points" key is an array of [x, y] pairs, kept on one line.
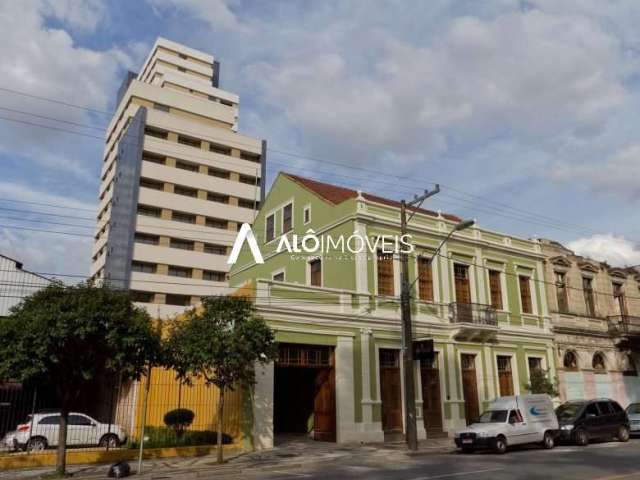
{"points": [[624, 325], [111, 416], [473, 313]]}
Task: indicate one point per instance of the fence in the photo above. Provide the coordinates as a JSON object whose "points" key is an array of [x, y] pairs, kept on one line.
{"points": [[110, 415]]}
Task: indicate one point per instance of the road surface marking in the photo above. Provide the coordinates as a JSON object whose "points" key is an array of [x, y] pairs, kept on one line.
{"points": [[457, 474]]}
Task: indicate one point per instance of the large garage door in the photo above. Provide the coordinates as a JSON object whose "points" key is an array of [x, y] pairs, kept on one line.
{"points": [[304, 396]]}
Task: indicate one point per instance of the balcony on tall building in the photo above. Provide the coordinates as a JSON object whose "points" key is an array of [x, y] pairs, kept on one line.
{"points": [[473, 321], [625, 328]]}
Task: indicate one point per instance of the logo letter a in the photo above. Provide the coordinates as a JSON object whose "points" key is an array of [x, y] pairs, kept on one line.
{"points": [[245, 233]]}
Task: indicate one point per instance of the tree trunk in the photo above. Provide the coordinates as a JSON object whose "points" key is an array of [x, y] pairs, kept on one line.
{"points": [[61, 457], [220, 417]]}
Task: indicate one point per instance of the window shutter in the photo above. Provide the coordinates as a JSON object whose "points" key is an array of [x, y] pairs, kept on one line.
{"points": [[385, 274], [496, 289], [525, 294], [425, 279]]}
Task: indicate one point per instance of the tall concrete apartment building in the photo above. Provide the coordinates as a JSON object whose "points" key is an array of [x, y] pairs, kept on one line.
{"points": [[177, 181]]}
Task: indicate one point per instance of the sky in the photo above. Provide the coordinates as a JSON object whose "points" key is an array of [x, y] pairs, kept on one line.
{"points": [[525, 112]]}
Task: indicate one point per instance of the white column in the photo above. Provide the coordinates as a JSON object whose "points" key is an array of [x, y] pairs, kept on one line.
{"points": [[345, 398], [457, 408], [444, 267], [367, 406], [370, 431], [422, 432], [491, 378], [263, 407], [362, 279]]}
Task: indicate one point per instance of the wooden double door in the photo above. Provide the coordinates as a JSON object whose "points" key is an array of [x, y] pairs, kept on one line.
{"points": [[505, 376], [431, 396], [391, 390], [470, 387], [305, 391]]}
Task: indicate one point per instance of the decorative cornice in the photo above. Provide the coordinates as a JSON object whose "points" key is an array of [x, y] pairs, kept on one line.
{"points": [[588, 266], [561, 261]]}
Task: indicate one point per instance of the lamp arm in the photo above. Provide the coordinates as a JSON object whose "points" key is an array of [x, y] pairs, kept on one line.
{"points": [[449, 235]]}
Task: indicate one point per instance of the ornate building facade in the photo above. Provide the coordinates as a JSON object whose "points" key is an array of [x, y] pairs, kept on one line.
{"points": [[595, 312]]}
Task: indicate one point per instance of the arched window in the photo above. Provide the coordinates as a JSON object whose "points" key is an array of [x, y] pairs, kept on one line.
{"points": [[570, 360], [598, 363], [629, 366]]}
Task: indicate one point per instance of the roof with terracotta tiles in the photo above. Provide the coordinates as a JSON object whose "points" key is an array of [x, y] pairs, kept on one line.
{"points": [[336, 195]]}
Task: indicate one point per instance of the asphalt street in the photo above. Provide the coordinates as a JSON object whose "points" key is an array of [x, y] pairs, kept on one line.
{"points": [[610, 460], [314, 461]]}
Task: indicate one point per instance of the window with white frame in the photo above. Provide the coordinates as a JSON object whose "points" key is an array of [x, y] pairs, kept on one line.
{"points": [[525, 293], [287, 218], [315, 272], [270, 223]]}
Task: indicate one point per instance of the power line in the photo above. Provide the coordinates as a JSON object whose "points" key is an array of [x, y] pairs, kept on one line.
{"points": [[46, 204], [501, 206], [51, 100], [17, 210], [47, 231], [531, 219], [48, 222], [484, 267]]}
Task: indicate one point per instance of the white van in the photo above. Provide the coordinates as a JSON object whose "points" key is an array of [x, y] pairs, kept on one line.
{"points": [[509, 421]]}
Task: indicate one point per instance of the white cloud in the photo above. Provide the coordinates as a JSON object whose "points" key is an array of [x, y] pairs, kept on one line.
{"points": [[216, 13], [83, 15], [46, 62], [528, 74], [26, 193], [617, 251], [43, 251], [617, 175], [48, 252]]}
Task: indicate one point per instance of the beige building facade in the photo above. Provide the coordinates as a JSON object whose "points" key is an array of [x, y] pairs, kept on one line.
{"points": [[177, 182], [595, 313]]}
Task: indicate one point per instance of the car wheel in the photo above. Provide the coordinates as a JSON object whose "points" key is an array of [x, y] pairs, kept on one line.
{"points": [[500, 445], [36, 444], [623, 434], [467, 450], [110, 440], [581, 438], [548, 442]]}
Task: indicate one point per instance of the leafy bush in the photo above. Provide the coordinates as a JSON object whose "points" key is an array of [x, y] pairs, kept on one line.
{"points": [[540, 383], [160, 437], [179, 420]]}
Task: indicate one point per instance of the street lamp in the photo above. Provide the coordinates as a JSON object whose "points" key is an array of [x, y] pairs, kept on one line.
{"points": [[411, 428], [462, 225]]}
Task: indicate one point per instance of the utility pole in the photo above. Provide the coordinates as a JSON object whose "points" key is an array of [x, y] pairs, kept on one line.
{"points": [[411, 428]]}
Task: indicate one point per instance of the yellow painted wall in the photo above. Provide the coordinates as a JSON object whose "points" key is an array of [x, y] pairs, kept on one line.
{"points": [[166, 394]]}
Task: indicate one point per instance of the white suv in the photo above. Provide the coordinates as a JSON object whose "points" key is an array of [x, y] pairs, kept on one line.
{"points": [[40, 431]]}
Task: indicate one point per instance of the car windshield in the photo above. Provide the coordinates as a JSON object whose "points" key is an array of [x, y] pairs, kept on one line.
{"points": [[494, 416], [634, 409], [568, 411]]}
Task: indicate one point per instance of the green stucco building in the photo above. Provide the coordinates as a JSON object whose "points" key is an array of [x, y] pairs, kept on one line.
{"points": [[337, 317]]}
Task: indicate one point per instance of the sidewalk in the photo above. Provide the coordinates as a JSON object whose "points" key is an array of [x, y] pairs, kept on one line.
{"points": [[291, 453]]}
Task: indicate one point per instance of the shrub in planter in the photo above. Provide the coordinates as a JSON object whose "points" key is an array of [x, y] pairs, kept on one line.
{"points": [[179, 420], [160, 437]]}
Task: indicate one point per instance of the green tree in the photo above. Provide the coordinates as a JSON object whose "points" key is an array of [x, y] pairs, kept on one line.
{"points": [[221, 343], [70, 336], [540, 382]]}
